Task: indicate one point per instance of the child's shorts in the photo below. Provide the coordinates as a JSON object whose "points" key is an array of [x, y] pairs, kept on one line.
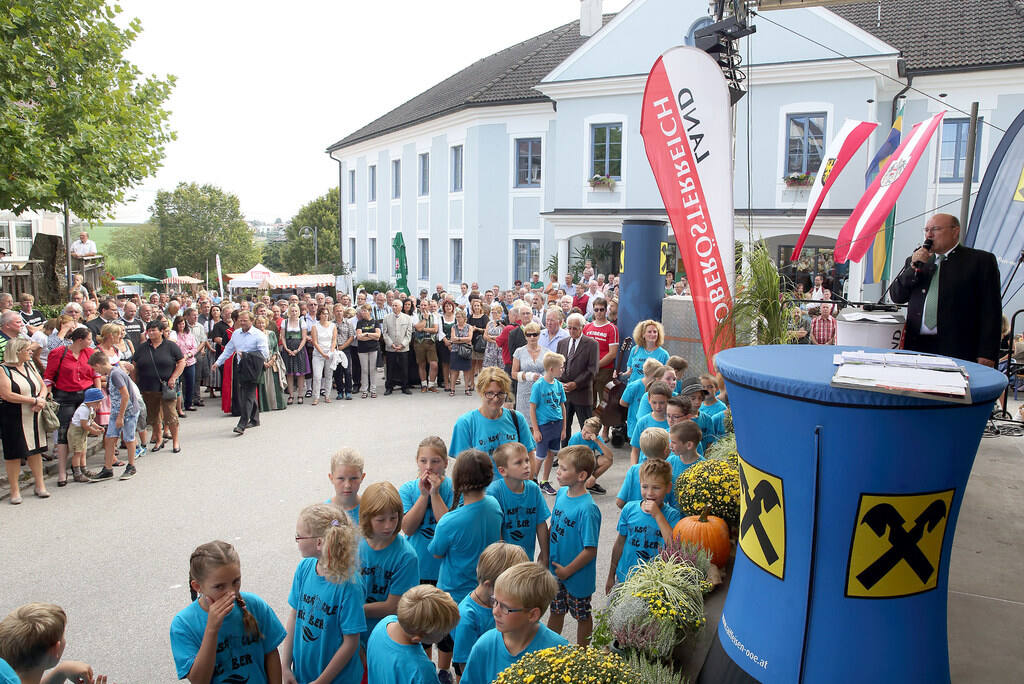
{"points": [[78, 439], [565, 602], [128, 431], [550, 438]]}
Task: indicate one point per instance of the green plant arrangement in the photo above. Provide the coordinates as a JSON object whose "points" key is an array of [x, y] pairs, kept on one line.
{"points": [[712, 483], [727, 420], [654, 672], [798, 180], [569, 664], [760, 313], [724, 449], [372, 286], [599, 181]]}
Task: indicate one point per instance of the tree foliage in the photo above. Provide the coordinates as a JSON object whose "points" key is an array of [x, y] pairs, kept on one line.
{"points": [[78, 121], [297, 253], [194, 223]]}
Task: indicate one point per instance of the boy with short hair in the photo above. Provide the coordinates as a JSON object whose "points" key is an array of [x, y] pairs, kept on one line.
{"points": [[678, 409], [394, 652], [575, 529], [524, 511], [521, 595], [654, 443], [711, 428], [32, 642], [644, 526], [125, 402], [590, 436], [634, 392], [547, 411], [658, 394], [83, 424], [684, 438], [475, 610], [711, 406]]}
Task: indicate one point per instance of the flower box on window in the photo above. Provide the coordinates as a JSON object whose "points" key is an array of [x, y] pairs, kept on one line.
{"points": [[798, 180], [600, 181]]}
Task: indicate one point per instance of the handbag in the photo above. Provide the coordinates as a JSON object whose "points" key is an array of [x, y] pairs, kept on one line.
{"points": [[167, 393], [48, 416], [463, 350], [480, 344]]}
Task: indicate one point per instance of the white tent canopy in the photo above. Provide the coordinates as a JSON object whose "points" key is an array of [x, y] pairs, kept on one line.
{"points": [[254, 277], [305, 280]]}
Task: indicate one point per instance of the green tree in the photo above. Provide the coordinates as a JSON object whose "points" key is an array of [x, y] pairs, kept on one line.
{"points": [[78, 122], [271, 258], [194, 223], [321, 213]]}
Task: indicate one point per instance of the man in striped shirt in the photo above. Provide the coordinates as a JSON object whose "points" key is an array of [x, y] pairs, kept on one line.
{"points": [[823, 327]]}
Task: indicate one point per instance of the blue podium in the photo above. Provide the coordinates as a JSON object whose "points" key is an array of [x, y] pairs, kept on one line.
{"points": [[850, 502]]}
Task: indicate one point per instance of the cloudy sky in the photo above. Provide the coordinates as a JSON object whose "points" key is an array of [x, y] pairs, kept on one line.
{"points": [[263, 87]]}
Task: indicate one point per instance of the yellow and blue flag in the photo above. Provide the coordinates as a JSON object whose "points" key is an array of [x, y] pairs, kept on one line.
{"points": [[879, 257]]}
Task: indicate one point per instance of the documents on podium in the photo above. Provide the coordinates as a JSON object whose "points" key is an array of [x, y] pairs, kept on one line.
{"points": [[931, 377]]}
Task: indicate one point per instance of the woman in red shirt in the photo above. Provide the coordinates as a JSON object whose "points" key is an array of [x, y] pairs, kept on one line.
{"points": [[69, 374]]}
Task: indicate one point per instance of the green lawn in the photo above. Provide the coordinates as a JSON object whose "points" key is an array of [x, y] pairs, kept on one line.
{"points": [[101, 233]]}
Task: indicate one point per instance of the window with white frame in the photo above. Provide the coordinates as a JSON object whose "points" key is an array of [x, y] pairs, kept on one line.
{"points": [[606, 150], [527, 258], [528, 163], [352, 254], [424, 263], [457, 168], [373, 255], [805, 142], [351, 186], [371, 183], [424, 174], [953, 150], [396, 178], [16, 237], [455, 258]]}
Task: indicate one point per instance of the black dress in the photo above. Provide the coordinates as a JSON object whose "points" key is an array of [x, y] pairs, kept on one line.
{"points": [[21, 428]]}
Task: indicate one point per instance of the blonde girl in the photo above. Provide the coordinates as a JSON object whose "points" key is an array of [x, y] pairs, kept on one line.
{"points": [[347, 477], [225, 634], [326, 599]]}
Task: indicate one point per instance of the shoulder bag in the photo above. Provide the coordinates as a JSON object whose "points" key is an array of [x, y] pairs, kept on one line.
{"points": [[167, 393]]}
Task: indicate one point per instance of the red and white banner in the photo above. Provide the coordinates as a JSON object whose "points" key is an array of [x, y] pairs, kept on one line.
{"points": [[841, 150], [858, 233], [686, 127]]}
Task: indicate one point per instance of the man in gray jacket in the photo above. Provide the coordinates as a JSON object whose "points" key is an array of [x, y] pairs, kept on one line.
{"points": [[397, 328]]}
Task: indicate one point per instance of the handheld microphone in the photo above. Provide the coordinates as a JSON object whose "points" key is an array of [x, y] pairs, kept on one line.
{"points": [[927, 244]]}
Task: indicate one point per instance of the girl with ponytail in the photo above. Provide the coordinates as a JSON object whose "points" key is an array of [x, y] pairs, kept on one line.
{"points": [[327, 601], [224, 635]]}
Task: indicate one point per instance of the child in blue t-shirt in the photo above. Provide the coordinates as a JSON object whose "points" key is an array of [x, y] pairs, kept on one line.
{"points": [[475, 616], [654, 444], [224, 635], [347, 477], [590, 436], [523, 507], [547, 411], [395, 652], [466, 530], [635, 390], [521, 595], [387, 562], [326, 599], [644, 526], [575, 528], [711, 405], [33, 639], [665, 374], [659, 394]]}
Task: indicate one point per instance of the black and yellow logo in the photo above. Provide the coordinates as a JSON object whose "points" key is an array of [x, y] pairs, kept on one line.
{"points": [[1018, 195], [762, 519], [897, 544], [827, 169]]}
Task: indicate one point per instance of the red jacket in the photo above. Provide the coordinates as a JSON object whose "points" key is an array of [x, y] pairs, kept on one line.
{"points": [[75, 373]]}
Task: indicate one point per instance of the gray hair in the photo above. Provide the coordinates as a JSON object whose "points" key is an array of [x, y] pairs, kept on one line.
{"points": [[555, 311], [72, 306], [7, 317], [565, 298], [14, 347], [576, 318]]}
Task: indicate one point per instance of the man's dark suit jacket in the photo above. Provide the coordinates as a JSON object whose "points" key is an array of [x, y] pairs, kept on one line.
{"points": [[969, 307], [580, 369]]}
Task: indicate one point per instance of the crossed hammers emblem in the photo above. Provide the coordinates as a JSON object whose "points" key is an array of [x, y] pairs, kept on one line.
{"points": [[764, 496], [904, 544]]}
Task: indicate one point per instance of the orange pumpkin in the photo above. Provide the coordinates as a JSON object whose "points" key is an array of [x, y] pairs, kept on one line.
{"points": [[708, 531]]}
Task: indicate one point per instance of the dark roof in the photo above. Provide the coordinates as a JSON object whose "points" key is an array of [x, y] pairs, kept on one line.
{"points": [[945, 35], [505, 77]]}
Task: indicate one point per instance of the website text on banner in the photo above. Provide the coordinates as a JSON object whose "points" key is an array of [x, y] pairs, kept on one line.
{"points": [[685, 125], [857, 235]]}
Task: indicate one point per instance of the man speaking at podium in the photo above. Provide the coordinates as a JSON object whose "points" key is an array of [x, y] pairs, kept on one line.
{"points": [[952, 296]]}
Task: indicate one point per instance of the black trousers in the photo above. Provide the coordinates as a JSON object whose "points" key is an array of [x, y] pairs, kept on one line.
{"points": [[356, 368], [581, 411], [343, 375], [398, 370], [248, 404]]}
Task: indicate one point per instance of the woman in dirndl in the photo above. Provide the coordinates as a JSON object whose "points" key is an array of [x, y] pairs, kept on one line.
{"points": [[294, 334], [270, 390]]}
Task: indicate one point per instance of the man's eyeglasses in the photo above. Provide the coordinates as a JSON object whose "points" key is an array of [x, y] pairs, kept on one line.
{"points": [[505, 610], [495, 395], [599, 308]]}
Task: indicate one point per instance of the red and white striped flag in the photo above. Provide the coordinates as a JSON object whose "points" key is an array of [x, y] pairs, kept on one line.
{"points": [[842, 148], [858, 233]]}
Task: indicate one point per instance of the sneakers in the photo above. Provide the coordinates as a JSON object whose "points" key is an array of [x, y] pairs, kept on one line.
{"points": [[81, 477], [128, 473], [341, 395], [105, 474], [140, 451], [597, 489], [547, 488], [445, 677]]}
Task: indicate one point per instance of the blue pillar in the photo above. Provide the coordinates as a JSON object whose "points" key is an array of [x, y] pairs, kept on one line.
{"points": [[641, 286]]}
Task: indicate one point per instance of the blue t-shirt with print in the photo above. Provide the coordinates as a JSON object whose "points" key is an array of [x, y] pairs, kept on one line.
{"points": [[643, 538], [575, 525], [325, 612], [420, 540], [548, 397], [239, 655], [490, 655], [460, 537], [630, 489], [388, 662], [638, 355], [474, 620], [642, 424], [473, 430], [631, 396], [521, 513], [391, 570]]}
